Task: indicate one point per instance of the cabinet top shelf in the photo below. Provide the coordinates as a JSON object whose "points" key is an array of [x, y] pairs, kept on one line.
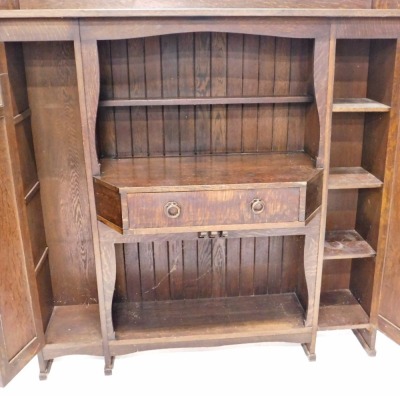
{"points": [[208, 172], [173, 8]]}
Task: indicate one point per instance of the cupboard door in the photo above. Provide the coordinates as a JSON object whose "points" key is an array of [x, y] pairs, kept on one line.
{"points": [[21, 329], [389, 312]]}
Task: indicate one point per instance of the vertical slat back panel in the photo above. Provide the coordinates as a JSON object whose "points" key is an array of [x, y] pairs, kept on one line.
{"points": [[206, 268], [203, 65]]}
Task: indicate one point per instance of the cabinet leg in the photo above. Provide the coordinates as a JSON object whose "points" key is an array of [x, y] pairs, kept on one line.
{"points": [[367, 340], [310, 271], [109, 365], [309, 350], [45, 367]]}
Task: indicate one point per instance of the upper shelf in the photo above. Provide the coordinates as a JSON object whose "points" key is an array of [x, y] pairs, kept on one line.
{"points": [[358, 105], [347, 178], [205, 101], [208, 172]]}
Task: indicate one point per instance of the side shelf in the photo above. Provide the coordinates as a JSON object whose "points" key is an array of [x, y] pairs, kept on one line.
{"points": [[339, 309], [358, 105], [346, 244], [352, 178]]}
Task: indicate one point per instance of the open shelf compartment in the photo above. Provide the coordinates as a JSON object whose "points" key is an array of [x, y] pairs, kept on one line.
{"points": [[73, 329], [339, 309], [210, 321]]}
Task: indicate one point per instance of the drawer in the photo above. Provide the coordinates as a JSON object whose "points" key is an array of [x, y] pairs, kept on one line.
{"points": [[212, 208]]}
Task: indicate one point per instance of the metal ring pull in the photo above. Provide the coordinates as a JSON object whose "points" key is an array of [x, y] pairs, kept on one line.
{"points": [[257, 205], [172, 210]]}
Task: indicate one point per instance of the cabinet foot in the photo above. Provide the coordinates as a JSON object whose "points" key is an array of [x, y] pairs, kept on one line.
{"points": [[312, 357], [371, 351], [45, 367], [108, 368]]}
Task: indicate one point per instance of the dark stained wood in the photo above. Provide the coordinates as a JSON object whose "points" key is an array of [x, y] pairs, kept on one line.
{"points": [[352, 177], [156, 5], [60, 161], [201, 101], [219, 60], [340, 310], [346, 244], [235, 171], [209, 208], [108, 205], [73, 329], [147, 322], [357, 105], [21, 334]]}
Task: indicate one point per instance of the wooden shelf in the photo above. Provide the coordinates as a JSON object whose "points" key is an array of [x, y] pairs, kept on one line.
{"points": [[346, 244], [358, 105], [208, 172], [205, 101], [73, 329], [339, 309], [344, 178], [207, 321]]}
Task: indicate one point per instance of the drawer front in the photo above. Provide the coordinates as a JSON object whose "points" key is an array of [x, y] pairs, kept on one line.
{"points": [[209, 208]]}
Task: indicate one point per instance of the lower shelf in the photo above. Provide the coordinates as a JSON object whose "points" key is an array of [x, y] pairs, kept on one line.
{"points": [[73, 329], [207, 322], [339, 309]]}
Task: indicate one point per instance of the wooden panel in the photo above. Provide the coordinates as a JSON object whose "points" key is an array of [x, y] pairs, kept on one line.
{"points": [[342, 208], [15, 62], [358, 105], [347, 139], [203, 268], [9, 4], [352, 177], [346, 244], [108, 205], [207, 208], [204, 271], [351, 68], [340, 310], [27, 155], [385, 4], [217, 172], [34, 214], [56, 125], [129, 4], [152, 320], [211, 71], [74, 329], [43, 279], [17, 319], [21, 333], [336, 275]]}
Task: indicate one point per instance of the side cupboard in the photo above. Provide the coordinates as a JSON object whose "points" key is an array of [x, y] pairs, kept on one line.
{"points": [[177, 176]]}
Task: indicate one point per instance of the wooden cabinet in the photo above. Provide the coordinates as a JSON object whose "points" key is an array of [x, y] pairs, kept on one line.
{"points": [[174, 181]]}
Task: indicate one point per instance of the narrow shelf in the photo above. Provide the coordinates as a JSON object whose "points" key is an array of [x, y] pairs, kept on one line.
{"points": [[199, 320], [352, 178], [346, 244], [339, 309], [358, 105], [205, 101], [208, 172], [73, 329]]}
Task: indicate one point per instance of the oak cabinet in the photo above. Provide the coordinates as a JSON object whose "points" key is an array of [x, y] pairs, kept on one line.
{"points": [[173, 181]]}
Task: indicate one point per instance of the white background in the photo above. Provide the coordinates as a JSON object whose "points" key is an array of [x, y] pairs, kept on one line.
{"points": [[342, 368]]}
